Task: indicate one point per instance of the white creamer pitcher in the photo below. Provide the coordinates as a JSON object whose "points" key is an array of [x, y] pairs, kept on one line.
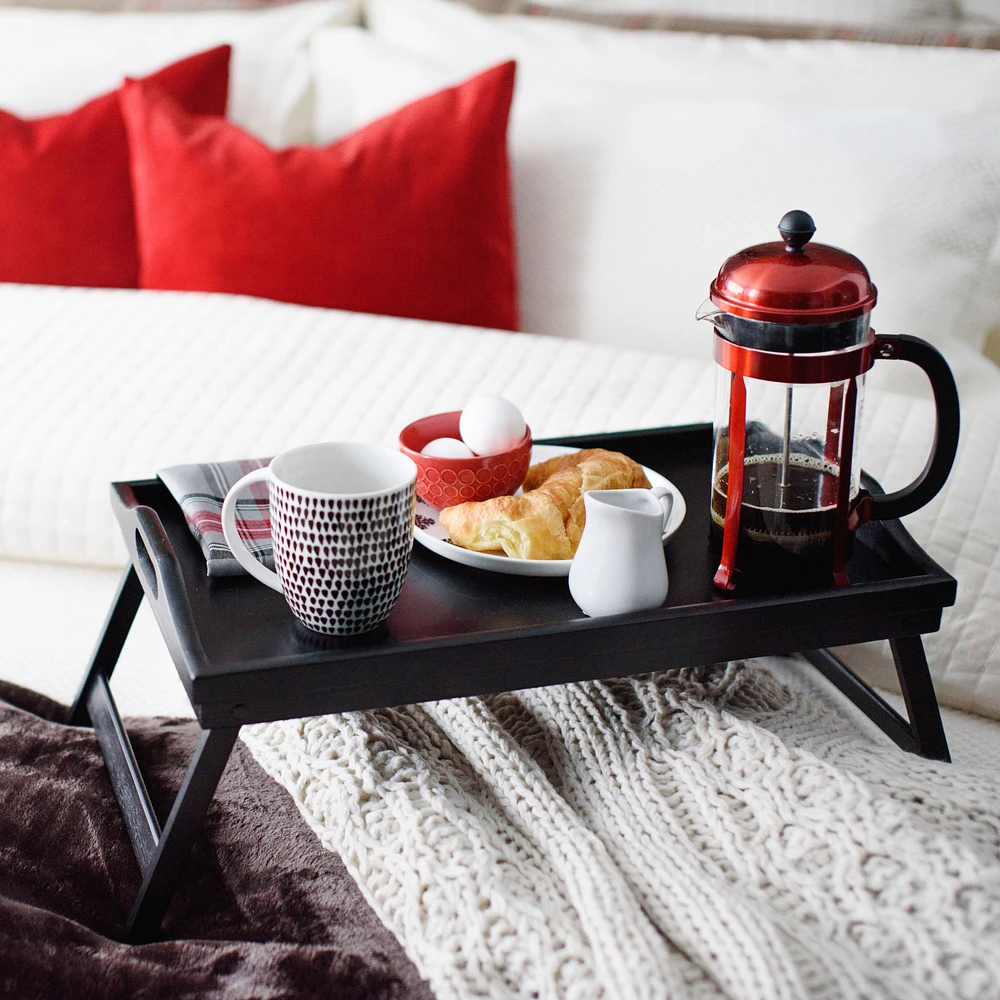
{"points": [[619, 565]]}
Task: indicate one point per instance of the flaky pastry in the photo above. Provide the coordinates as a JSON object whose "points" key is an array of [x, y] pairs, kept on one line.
{"points": [[547, 520]]}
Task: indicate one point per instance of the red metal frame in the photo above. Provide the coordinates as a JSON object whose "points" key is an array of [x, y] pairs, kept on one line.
{"points": [[794, 369], [734, 491]]}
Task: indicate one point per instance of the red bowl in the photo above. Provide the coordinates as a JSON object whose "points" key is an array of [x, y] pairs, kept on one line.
{"points": [[444, 482]]}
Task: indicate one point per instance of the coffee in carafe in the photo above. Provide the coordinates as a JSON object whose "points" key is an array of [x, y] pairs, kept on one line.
{"points": [[785, 526], [793, 342]]}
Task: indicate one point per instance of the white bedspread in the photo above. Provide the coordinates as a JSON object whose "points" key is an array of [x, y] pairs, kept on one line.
{"points": [[109, 384]]}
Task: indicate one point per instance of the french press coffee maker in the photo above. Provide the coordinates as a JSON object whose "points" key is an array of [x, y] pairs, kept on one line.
{"points": [[793, 343]]}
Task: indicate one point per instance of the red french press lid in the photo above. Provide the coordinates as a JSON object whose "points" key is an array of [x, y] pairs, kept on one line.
{"points": [[792, 282]]}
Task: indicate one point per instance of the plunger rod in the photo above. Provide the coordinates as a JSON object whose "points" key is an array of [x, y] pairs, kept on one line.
{"points": [[786, 445]]}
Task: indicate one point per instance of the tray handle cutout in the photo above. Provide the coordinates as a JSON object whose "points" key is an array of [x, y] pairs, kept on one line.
{"points": [[154, 553]]}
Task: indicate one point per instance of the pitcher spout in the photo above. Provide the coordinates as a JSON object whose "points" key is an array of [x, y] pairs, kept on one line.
{"points": [[711, 313]]}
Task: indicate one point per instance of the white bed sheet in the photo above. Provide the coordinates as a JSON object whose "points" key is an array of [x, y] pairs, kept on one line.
{"points": [[53, 616]]}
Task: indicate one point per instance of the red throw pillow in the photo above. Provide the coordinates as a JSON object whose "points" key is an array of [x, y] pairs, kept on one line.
{"points": [[66, 215], [409, 216]]}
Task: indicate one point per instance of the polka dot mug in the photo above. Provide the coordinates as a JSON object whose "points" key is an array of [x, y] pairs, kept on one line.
{"points": [[342, 531]]}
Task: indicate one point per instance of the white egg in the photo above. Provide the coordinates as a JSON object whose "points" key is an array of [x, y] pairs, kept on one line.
{"points": [[491, 424], [447, 448]]}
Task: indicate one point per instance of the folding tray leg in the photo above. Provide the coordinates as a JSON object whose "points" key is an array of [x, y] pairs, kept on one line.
{"points": [[163, 865], [109, 646], [160, 853], [923, 732], [919, 697]]}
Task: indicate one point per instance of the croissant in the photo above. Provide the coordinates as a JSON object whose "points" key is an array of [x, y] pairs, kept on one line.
{"points": [[547, 520]]}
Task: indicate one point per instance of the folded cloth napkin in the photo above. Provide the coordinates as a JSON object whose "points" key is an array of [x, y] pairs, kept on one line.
{"points": [[200, 490]]}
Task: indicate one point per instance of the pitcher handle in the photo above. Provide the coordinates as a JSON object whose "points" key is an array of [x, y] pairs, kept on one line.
{"points": [[926, 486], [666, 498]]}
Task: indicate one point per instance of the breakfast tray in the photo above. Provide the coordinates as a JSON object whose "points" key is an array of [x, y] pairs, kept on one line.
{"points": [[243, 657]]}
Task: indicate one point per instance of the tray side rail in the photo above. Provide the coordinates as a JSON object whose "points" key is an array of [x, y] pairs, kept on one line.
{"points": [[455, 668]]}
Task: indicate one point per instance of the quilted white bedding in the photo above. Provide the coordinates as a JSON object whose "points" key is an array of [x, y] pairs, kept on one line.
{"points": [[108, 384]]}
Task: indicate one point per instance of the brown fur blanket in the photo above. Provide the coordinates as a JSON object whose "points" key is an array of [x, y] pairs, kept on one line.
{"points": [[263, 911]]}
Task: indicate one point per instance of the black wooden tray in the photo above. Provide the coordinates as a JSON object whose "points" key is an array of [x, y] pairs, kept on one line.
{"points": [[243, 657]]}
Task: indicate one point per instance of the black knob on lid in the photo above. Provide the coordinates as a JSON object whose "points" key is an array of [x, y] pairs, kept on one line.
{"points": [[797, 229]]}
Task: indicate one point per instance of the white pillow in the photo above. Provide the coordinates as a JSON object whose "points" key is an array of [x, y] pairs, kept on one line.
{"points": [[987, 10], [53, 61], [808, 73], [852, 12], [118, 6], [627, 203], [803, 73]]}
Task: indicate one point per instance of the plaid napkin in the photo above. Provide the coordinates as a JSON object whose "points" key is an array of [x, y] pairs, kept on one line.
{"points": [[200, 490]]}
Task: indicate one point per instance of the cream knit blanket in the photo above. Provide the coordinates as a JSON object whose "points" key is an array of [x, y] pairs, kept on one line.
{"points": [[712, 833]]}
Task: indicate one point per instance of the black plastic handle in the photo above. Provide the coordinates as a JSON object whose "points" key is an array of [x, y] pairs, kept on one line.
{"points": [[926, 486]]}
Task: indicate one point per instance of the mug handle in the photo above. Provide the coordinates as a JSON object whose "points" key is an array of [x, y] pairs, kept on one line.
{"points": [[926, 486], [666, 498], [236, 544]]}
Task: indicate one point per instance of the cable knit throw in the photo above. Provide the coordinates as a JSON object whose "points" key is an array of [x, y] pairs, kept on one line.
{"points": [[708, 833]]}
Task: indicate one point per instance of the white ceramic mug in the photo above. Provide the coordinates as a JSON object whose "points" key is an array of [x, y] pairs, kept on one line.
{"points": [[619, 564], [342, 531]]}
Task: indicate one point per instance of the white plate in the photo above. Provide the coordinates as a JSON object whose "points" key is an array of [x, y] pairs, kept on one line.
{"points": [[429, 532]]}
